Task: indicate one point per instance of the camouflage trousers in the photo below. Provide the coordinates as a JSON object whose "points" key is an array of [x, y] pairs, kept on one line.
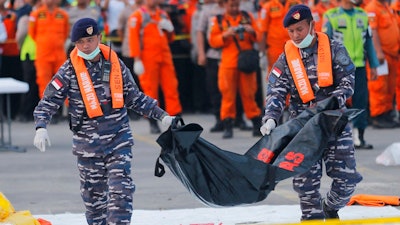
{"points": [[340, 165], [107, 188]]}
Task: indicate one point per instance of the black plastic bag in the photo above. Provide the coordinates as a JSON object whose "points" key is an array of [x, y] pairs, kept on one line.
{"points": [[221, 178], [213, 175]]}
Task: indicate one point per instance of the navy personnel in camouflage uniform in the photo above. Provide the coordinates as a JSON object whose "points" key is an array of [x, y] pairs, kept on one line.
{"points": [[100, 89], [295, 74]]}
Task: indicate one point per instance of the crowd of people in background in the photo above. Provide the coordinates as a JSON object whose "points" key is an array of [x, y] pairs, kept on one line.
{"points": [[193, 70]]}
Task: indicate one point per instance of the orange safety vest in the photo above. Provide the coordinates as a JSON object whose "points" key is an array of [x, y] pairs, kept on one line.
{"points": [[89, 96], [324, 68]]}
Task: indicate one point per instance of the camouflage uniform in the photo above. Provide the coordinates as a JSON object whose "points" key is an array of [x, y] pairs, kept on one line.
{"points": [[339, 155], [102, 144]]}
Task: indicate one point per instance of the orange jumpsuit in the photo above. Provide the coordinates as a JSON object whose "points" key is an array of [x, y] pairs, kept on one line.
{"points": [[49, 30], [10, 47], [230, 79], [271, 24], [318, 11], [151, 44], [396, 7], [382, 91]]}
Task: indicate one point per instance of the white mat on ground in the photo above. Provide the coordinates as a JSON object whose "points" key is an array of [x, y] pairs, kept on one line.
{"points": [[228, 216]]}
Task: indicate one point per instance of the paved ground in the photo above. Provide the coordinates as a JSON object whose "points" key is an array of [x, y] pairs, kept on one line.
{"points": [[47, 183]]}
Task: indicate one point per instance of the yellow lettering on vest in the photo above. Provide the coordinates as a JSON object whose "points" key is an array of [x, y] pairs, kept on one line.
{"points": [[298, 73]]}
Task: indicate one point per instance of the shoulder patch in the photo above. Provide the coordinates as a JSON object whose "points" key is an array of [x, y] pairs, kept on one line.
{"points": [[132, 22], [275, 74], [263, 13], [342, 57], [57, 83], [276, 71]]}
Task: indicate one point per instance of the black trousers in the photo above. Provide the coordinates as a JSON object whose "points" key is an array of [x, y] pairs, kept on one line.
{"points": [[30, 99], [11, 67], [214, 94]]}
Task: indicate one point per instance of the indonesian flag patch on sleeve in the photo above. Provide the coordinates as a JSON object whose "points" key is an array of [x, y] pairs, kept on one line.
{"points": [[276, 71], [57, 84]]}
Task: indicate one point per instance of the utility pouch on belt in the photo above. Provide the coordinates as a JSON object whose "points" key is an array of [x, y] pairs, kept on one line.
{"points": [[248, 60]]}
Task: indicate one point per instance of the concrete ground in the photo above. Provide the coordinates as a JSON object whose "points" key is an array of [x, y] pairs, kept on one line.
{"points": [[47, 183]]}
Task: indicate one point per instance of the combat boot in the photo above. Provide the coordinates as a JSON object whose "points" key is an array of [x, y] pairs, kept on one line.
{"points": [[228, 128], [241, 124], [359, 141], [382, 122], [328, 212], [256, 126], [154, 128], [218, 127]]}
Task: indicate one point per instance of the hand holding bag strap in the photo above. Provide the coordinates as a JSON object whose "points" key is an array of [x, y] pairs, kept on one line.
{"points": [[177, 122]]}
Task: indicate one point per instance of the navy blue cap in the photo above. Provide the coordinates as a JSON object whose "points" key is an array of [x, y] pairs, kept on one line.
{"points": [[84, 27], [296, 14]]}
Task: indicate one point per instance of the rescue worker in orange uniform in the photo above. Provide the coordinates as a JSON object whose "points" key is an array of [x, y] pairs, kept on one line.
{"points": [[273, 34], [396, 7], [235, 24], [386, 39], [180, 50], [49, 28], [149, 33], [10, 54], [318, 11]]}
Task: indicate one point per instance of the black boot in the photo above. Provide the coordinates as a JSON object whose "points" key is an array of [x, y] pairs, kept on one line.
{"points": [[382, 122], [154, 128], [328, 212], [363, 144], [218, 127], [241, 123], [256, 126], [228, 128]]}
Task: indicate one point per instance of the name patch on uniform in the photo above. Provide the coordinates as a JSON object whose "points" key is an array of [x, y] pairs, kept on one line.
{"points": [[360, 23], [57, 84], [342, 23], [275, 9]]}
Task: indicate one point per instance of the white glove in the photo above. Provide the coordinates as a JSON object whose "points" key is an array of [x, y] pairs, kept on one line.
{"points": [[263, 62], [41, 138], [166, 24], [268, 127], [138, 67], [167, 120]]}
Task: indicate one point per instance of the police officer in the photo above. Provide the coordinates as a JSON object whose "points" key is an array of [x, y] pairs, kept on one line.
{"points": [[100, 89], [348, 24], [311, 69]]}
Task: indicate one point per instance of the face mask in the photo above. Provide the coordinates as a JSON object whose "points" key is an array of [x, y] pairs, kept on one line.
{"points": [[306, 41], [89, 56]]}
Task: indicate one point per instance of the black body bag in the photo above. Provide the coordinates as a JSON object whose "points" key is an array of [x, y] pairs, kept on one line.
{"points": [[222, 178]]}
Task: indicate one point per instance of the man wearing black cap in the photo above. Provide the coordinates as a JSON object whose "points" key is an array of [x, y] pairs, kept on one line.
{"points": [[312, 68], [100, 89]]}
